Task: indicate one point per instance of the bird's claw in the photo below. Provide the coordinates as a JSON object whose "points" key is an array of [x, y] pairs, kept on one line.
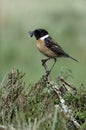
{"points": [[43, 61]]}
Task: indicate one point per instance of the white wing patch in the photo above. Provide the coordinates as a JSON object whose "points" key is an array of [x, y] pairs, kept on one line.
{"points": [[42, 38]]}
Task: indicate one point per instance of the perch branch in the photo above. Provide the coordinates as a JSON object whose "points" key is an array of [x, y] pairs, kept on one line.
{"points": [[64, 107]]}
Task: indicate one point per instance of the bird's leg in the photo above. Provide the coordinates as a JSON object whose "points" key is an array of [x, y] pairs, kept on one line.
{"points": [[51, 67], [44, 61]]}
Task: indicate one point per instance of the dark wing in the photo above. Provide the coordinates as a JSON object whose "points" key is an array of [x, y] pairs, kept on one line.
{"points": [[57, 49]]}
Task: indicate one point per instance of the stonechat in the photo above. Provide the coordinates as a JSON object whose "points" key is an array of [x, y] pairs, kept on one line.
{"points": [[48, 46]]}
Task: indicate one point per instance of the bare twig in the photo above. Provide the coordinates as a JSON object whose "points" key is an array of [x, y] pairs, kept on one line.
{"points": [[68, 84], [64, 107]]}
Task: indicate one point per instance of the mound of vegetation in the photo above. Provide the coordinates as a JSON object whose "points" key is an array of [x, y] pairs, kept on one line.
{"points": [[36, 107]]}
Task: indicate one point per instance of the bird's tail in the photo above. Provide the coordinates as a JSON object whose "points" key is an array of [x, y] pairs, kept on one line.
{"points": [[73, 59]]}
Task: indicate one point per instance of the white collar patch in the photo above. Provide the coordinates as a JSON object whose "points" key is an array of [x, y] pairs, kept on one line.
{"points": [[42, 38]]}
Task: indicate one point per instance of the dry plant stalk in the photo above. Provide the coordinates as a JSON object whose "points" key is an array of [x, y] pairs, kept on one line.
{"points": [[67, 112], [68, 84]]}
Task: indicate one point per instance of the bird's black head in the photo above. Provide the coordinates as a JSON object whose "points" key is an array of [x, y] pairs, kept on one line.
{"points": [[38, 33]]}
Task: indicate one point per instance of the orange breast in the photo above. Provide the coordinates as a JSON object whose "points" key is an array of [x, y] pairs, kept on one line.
{"points": [[42, 48]]}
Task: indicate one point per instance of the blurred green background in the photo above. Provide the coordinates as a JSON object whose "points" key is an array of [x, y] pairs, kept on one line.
{"points": [[66, 22]]}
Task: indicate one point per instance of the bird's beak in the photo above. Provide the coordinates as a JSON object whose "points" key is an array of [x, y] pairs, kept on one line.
{"points": [[31, 33]]}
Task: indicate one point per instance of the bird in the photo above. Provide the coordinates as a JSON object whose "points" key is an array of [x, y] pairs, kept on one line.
{"points": [[48, 46]]}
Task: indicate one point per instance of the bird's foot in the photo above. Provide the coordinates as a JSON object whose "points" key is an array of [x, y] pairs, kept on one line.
{"points": [[43, 61]]}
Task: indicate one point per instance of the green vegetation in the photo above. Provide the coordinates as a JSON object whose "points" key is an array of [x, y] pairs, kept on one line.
{"points": [[33, 107]]}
